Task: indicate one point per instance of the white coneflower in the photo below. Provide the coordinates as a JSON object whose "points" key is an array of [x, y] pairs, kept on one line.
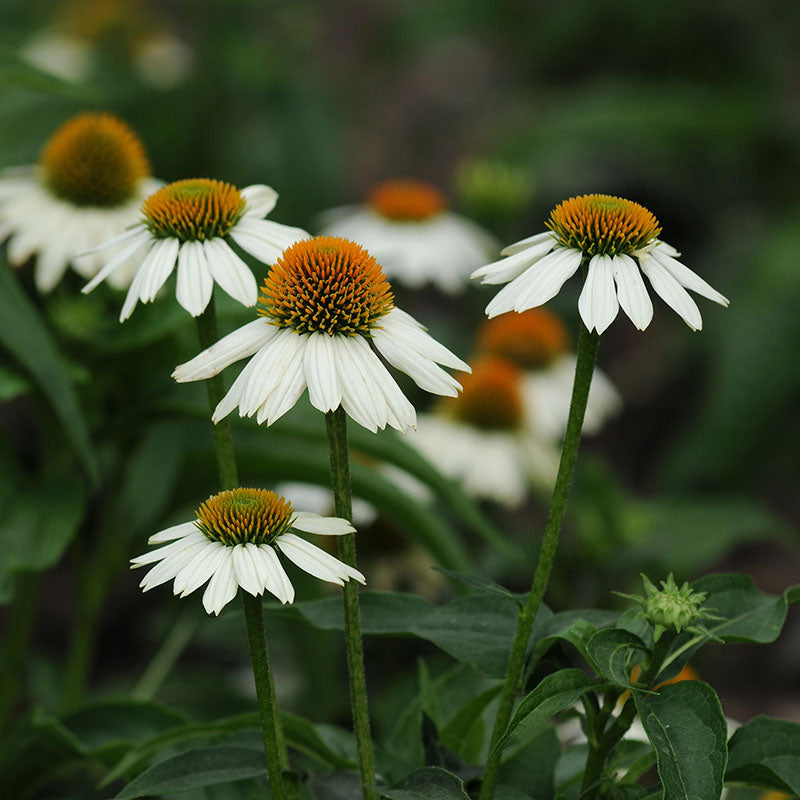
{"points": [[619, 240], [235, 540], [325, 304], [188, 223], [483, 438], [405, 224], [537, 341], [91, 178]]}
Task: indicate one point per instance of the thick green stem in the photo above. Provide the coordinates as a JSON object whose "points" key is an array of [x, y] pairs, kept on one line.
{"points": [[223, 438], [267, 707], [336, 423], [17, 640], [587, 355]]}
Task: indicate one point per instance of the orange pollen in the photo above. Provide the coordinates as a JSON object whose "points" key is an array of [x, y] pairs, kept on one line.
{"points": [[531, 339], [241, 516], [94, 159], [194, 209], [406, 200], [491, 397], [327, 285], [600, 224]]}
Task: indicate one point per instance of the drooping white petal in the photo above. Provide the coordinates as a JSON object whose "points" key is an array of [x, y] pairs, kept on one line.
{"points": [[546, 278], [181, 553], [403, 327], [222, 587], [598, 304], [230, 272], [268, 366], [239, 344], [319, 368], [141, 238], [264, 239], [248, 575], [287, 392], [631, 291], [672, 293], [400, 413], [175, 532], [136, 231], [159, 268], [260, 199], [197, 571], [531, 241], [315, 561], [194, 284], [512, 266], [685, 276], [323, 526], [360, 398], [279, 583], [160, 553]]}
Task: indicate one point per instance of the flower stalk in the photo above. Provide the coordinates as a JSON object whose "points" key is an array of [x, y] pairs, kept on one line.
{"points": [[336, 423], [586, 357]]}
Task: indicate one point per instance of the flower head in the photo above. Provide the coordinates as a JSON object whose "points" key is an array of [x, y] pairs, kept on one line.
{"points": [[91, 177], [533, 339], [324, 306], [190, 223], [407, 226], [618, 240], [234, 541]]}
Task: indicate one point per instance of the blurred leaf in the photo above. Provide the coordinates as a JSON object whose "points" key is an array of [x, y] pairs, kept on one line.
{"points": [[481, 584], [333, 747], [428, 783], [12, 383], [25, 336], [685, 724], [554, 693], [614, 652], [39, 522], [532, 766], [465, 732], [206, 766], [766, 752]]}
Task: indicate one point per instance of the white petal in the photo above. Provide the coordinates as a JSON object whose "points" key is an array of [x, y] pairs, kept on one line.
{"points": [[360, 398], [631, 291], [672, 293], [323, 526], [197, 571], [405, 328], [195, 284], [136, 230], [279, 583], [315, 561], [421, 370], [160, 553], [531, 241], [230, 272], [222, 587], [239, 344], [686, 277], [400, 413], [118, 259], [260, 200], [285, 395], [248, 575], [319, 368], [159, 268], [547, 277], [268, 366], [506, 269], [175, 532], [598, 304]]}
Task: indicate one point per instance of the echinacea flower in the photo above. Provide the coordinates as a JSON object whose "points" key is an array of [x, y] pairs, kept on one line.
{"points": [[92, 175], [190, 223], [618, 240], [538, 343], [405, 224], [483, 438], [325, 305], [235, 540]]}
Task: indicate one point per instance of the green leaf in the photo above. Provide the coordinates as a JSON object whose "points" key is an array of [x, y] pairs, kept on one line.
{"points": [[613, 652], [481, 584], [206, 766], [428, 783], [748, 614], [575, 627], [477, 629], [766, 752], [464, 733], [553, 694], [26, 337], [532, 766], [685, 724]]}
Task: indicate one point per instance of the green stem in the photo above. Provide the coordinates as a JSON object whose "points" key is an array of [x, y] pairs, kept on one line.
{"points": [[223, 437], [267, 707], [17, 641], [587, 355], [336, 423]]}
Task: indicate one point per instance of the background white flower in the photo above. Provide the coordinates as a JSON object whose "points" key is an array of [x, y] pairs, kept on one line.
{"points": [[405, 224], [188, 224], [92, 176], [234, 542], [619, 240], [324, 303]]}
